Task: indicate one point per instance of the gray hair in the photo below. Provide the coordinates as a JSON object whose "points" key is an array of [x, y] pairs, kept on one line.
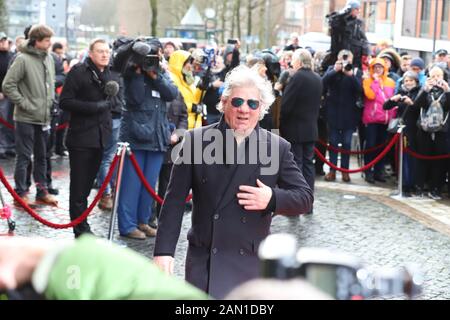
{"points": [[243, 76], [304, 56]]}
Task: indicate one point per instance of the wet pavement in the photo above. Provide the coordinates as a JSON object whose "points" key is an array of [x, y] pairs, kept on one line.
{"points": [[355, 218]]}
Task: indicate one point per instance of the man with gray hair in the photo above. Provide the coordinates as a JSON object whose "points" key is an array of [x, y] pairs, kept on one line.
{"points": [[299, 113], [235, 194]]}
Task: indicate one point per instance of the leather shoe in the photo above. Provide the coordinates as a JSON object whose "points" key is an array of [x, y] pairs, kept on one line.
{"points": [[330, 176], [136, 234], [106, 202], [345, 177], [149, 231], [24, 199], [47, 199], [53, 191], [370, 179]]}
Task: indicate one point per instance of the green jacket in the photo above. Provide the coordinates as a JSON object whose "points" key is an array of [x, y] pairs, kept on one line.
{"points": [[93, 269], [30, 85]]}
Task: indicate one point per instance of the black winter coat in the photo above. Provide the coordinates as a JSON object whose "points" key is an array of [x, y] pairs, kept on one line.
{"points": [[224, 237], [89, 127], [300, 106], [411, 113], [341, 94]]}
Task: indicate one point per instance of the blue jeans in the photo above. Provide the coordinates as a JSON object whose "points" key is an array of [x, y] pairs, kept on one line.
{"points": [[344, 137], [108, 155], [135, 203], [376, 134]]}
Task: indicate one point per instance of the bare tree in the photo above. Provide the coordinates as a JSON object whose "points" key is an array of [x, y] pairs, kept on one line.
{"points": [[99, 13], [237, 13], [3, 15], [154, 13]]}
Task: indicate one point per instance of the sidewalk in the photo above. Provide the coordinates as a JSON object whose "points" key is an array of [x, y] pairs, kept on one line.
{"points": [[433, 214]]}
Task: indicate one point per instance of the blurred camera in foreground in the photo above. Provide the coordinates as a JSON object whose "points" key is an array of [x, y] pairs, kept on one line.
{"points": [[340, 275]]}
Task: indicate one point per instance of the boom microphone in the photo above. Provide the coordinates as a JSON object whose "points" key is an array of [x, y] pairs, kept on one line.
{"points": [[141, 48], [111, 88]]}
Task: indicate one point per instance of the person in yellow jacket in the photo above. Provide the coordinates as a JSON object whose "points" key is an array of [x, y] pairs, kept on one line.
{"points": [[180, 67]]}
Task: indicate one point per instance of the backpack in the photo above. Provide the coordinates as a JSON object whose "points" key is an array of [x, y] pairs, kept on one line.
{"points": [[434, 119]]}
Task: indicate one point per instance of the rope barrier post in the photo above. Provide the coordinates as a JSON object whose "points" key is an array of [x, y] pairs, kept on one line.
{"points": [[399, 193], [122, 150]]}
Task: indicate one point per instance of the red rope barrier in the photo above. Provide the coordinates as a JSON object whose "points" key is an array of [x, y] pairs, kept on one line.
{"points": [[73, 223], [6, 123], [11, 126], [424, 157], [146, 184], [367, 166], [344, 151], [62, 126]]}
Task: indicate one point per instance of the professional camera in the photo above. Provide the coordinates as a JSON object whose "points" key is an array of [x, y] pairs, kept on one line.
{"points": [[342, 276], [140, 52], [204, 61], [348, 66]]}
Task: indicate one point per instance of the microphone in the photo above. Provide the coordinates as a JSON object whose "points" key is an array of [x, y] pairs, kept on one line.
{"points": [[141, 48], [111, 88]]}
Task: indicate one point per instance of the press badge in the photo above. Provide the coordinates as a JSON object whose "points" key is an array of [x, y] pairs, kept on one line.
{"points": [[155, 94]]}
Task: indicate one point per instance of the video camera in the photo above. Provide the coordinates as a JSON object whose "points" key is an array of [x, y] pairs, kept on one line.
{"points": [[340, 275], [140, 52]]}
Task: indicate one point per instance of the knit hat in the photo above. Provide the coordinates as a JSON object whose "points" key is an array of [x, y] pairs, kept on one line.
{"points": [[418, 62]]}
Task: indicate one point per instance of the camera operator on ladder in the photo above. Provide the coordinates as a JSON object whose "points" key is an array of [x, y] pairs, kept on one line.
{"points": [[347, 32]]}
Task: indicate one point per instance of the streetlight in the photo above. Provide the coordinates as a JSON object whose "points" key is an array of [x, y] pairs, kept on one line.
{"points": [[210, 15], [435, 25]]}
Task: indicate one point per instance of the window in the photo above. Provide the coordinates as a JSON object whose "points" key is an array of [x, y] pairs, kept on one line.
{"points": [[388, 10], [425, 18], [444, 26], [371, 16]]}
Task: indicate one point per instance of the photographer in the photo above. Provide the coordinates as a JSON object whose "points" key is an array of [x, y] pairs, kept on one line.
{"points": [[408, 114], [342, 89], [145, 126], [347, 32], [432, 135], [90, 126], [212, 94]]}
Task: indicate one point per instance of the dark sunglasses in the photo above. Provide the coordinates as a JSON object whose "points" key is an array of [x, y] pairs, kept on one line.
{"points": [[238, 102]]}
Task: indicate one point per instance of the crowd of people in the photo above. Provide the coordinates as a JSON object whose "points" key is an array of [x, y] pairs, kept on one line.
{"points": [[160, 110]]}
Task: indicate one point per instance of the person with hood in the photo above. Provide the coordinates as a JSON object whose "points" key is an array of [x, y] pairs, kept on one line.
{"points": [[378, 87], [30, 85], [180, 67], [403, 100]]}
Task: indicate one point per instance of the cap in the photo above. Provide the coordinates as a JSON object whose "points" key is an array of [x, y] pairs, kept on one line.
{"points": [[3, 36], [353, 4], [418, 62], [387, 55], [441, 52]]}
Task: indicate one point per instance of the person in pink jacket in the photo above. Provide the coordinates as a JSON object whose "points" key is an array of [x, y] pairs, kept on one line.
{"points": [[377, 89]]}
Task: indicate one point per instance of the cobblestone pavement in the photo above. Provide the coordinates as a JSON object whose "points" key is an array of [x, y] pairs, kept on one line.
{"points": [[343, 219]]}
